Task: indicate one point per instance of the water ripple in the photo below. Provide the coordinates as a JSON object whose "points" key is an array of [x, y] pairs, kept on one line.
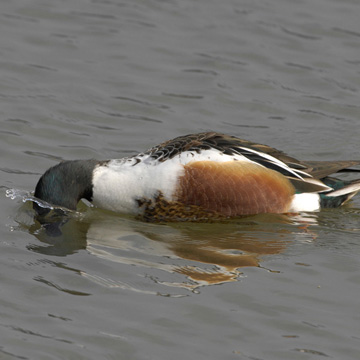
{"points": [[19, 172], [142, 102], [347, 32], [184, 96], [299, 35], [43, 155], [131, 116]]}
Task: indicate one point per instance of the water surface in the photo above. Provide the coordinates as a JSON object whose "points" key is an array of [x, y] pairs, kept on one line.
{"points": [[106, 79]]}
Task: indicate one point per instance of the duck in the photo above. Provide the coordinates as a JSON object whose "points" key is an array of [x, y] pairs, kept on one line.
{"points": [[198, 177]]}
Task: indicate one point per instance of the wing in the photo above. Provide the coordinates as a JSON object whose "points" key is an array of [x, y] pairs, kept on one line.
{"points": [[230, 145], [305, 176], [321, 169]]}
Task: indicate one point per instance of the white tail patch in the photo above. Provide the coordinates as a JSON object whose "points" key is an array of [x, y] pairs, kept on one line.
{"points": [[305, 202]]}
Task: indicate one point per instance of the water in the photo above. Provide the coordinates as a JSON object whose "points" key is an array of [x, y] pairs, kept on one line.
{"points": [[106, 79]]}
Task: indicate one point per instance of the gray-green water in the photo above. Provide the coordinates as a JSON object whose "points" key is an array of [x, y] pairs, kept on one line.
{"points": [[105, 79]]}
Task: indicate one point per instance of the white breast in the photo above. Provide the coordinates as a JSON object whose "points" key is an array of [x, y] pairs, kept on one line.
{"points": [[117, 186]]}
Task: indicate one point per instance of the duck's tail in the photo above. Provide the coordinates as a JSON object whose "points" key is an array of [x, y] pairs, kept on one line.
{"points": [[342, 192]]}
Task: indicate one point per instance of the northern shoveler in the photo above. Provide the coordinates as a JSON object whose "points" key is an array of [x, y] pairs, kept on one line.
{"points": [[199, 176]]}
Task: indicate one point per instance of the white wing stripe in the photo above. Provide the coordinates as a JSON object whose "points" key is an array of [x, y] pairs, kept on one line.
{"points": [[274, 161]]}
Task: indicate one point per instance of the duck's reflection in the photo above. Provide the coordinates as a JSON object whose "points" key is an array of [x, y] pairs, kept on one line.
{"points": [[204, 253]]}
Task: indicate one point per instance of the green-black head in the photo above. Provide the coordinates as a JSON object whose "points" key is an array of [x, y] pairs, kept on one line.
{"points": [[65, 184]]}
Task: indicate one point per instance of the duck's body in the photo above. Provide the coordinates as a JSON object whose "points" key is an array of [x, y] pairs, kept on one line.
{"points": [[199, 176]]}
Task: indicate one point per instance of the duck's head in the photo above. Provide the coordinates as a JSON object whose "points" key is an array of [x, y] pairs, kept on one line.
{"points": [[65, 185]]}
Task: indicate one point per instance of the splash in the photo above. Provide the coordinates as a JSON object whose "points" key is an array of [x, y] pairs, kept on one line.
{"points": [[27, 196]]}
